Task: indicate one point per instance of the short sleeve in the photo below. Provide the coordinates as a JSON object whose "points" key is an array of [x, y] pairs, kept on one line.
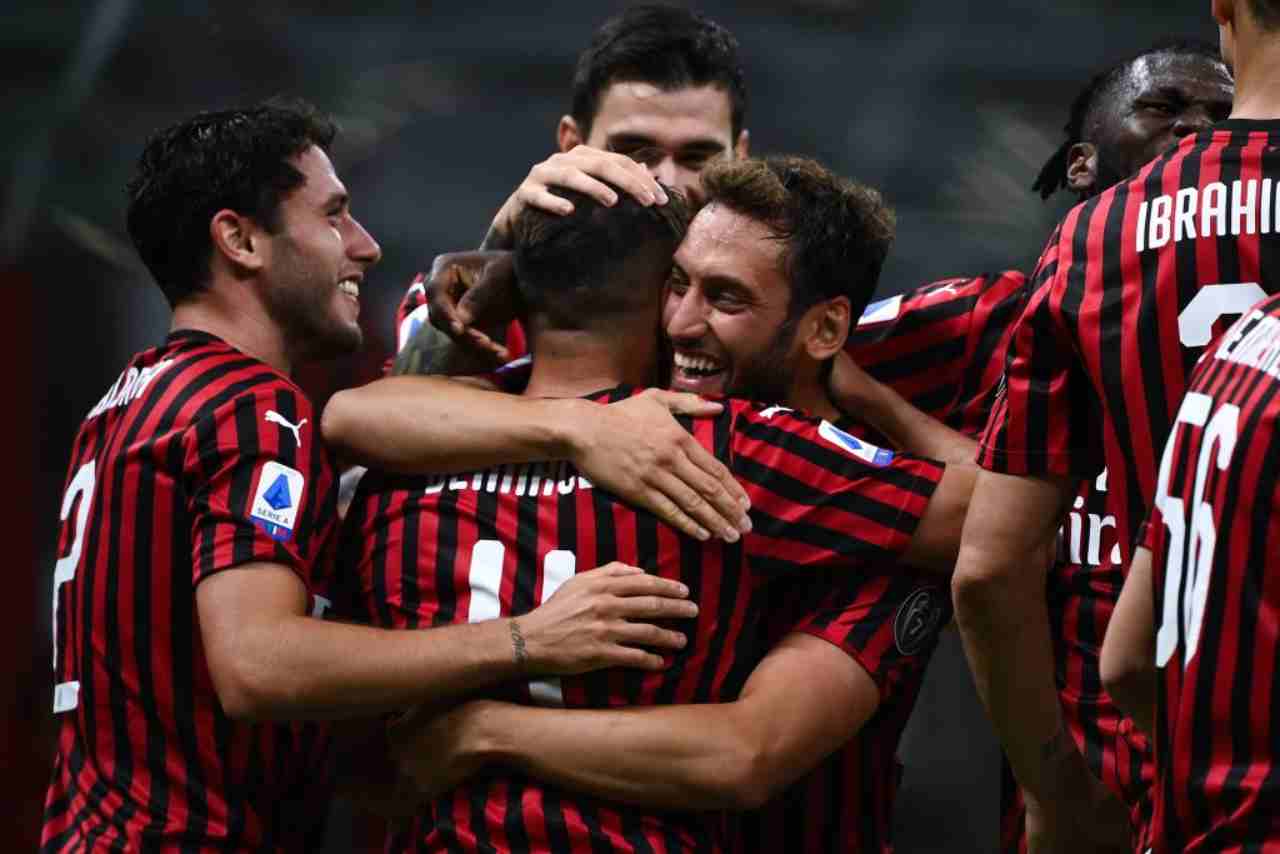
{"points": [[1044, 417], [258, 484], [886, 621], [820, 496]]}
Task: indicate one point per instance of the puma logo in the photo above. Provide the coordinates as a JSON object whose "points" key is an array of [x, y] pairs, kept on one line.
{"points": [[274, 417]]}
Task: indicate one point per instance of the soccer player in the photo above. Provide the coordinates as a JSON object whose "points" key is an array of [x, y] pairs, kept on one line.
{"points": [[189, 595], [1130, 289], [1204, 675], [658, 94], [718, 660]]}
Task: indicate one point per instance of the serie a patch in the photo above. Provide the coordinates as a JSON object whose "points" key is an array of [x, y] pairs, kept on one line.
{"points": [[277, 499], [865, 451]]}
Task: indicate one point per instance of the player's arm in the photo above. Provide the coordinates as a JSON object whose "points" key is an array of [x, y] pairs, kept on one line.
{"points": [[805, 699], [269, 659], [859, 394], [634, 447], [1129, 651], [999, 593], [936, 541]]}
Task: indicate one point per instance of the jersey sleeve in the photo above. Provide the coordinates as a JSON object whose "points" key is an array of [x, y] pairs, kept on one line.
{"points": [[1044, 417], [888, 622], [412, 313], [259, 484], [822, 497]]}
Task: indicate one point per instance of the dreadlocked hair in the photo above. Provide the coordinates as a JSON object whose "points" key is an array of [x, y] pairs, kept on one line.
{"points": [[1053, 175]]}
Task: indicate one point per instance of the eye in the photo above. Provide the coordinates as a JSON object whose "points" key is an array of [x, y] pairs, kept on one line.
{"points": [[1160, 108]]}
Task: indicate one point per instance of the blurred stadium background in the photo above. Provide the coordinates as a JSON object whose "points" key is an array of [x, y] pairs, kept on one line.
{"points": [[950, 108]]}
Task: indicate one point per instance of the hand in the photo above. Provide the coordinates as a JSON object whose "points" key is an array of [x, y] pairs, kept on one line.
{"points": [[584, 169], [639, 452], [1079, 815], [430, 748], [852, 388], [472, 298], [590, 623]]}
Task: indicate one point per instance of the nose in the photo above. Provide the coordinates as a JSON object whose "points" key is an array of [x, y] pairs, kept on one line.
{"points": [[1193, 119], [686, 317], [665, 171], [361, 246]]}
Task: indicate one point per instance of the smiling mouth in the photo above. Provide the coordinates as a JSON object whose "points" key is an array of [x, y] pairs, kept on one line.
{"points": [[697, 367], [350, 287]]}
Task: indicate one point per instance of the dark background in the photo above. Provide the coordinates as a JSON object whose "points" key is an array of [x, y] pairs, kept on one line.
{"points": [[949, 107]]}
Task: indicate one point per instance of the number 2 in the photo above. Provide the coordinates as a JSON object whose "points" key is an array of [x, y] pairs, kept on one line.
{"points": [[66, 695]]}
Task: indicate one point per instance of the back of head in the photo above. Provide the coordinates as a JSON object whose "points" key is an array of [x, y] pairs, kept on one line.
{"points": [[1089, 107], [668, 47], [836, 233], [233, 159], [586, 269]]}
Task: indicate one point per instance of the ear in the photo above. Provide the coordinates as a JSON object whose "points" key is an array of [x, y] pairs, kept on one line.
{"points": [[1224, 11], [568, 134], [741, 149], [238, 241], [1082, 168], [825, 328]]}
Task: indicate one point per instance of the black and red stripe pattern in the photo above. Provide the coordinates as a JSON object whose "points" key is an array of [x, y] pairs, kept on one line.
{"points": [[942, 345], [433, 551], [888, 622], [1129, 291], [1215, 540], [167, 474]]}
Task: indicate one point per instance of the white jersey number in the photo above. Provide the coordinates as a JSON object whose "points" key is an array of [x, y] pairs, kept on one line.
{"points": [[485, 577], [1195, 324], [1190, 558], [66, 695]]}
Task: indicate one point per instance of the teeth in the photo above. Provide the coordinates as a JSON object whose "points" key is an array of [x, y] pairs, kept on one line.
{"points": [[695, 363], [350, 287]]}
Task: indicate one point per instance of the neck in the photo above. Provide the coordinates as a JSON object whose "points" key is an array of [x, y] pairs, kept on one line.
{"points": [[232, 311], [1257, 64], [810, 394], [574, 363]]}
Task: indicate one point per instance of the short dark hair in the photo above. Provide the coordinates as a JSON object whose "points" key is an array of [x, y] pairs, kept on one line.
{"points": [[836, 232], [668, 47], [1267, 13], [1084, 109], [233, 159], [593, 264]]}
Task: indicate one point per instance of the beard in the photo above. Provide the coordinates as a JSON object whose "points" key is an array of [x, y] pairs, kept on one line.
{"points": [[301, 303], [768, 375]]}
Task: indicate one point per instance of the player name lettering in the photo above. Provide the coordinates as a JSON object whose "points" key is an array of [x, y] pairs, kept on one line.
{"points": [[530, 479], [128, 387], [1254, 342], [1214, 210]]}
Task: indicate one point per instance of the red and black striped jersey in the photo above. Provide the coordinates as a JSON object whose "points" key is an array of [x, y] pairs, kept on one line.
{"points": [[1130, 289], [412, 313], [941, 346], [199, 458], [1214, 535], [476, 546], [888, 621]]}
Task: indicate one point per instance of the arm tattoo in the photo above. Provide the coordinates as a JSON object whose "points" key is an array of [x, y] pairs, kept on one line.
{"points": [[518, 648]]}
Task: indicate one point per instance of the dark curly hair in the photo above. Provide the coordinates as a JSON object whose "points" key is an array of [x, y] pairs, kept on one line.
{"points": [[233, 159], [836, 233]]}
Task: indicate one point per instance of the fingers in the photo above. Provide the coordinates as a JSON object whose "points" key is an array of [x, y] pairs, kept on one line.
{"points": [[445, 288], [726, 525], [590, 171], [665, 509], [721, 487], [649, 635], [633, 657], [684, 403]]}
